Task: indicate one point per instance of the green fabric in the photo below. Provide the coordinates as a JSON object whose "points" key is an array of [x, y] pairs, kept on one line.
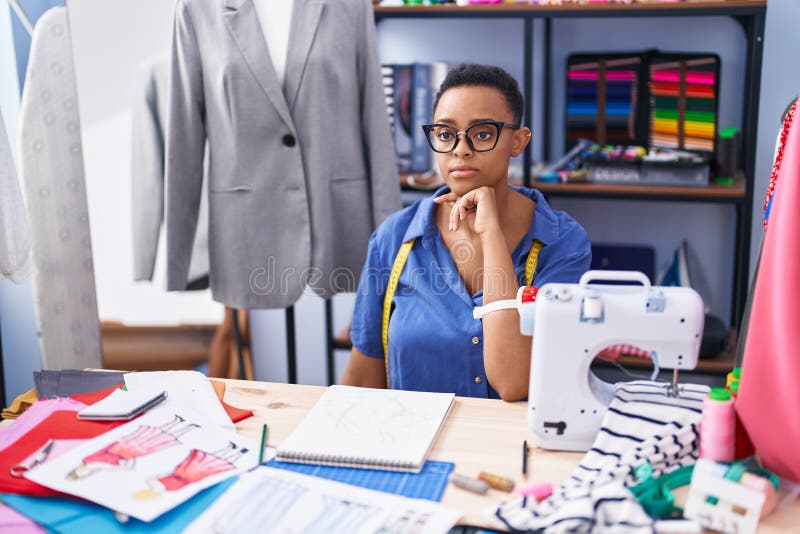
{"points": [[692, 104], [655, 494], [695, 116]]}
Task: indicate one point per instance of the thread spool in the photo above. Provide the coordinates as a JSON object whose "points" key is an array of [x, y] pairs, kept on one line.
{"points": [[497, 482], [727, 156], [736, 374], [717, 426], [469, 483], [539, 490]]}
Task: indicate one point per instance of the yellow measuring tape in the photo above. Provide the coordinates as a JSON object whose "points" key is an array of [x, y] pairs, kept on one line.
{"points": [[394, 278]]}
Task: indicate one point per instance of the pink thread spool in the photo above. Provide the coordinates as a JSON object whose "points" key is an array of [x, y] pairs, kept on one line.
{"points": [[718, 426], [539, 490]]}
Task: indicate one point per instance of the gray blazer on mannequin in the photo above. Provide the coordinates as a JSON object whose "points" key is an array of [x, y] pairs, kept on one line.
{"points": [[299, 175]]}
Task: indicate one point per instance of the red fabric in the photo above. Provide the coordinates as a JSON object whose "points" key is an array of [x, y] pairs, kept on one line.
{"points": [[90, 398], [769, 390], [236, 414], [59, 425]]}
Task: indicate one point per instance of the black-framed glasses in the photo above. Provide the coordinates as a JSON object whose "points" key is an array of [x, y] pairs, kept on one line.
{"points": [[481, 136]]}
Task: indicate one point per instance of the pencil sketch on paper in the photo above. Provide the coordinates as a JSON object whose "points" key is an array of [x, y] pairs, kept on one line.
{"points": [[150, 465], [122, 454], [196, 466], [387, 421]]}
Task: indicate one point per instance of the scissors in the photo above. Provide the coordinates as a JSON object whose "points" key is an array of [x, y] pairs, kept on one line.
{"points": [[39, 458]]}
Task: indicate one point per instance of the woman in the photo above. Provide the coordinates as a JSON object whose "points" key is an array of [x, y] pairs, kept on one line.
{"points": [[472, 242]]}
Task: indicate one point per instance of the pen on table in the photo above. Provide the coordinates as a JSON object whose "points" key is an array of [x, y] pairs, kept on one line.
{"points": [[263, 444], [525, 457]]}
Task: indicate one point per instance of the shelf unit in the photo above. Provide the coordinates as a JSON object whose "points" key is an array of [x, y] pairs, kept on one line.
{"points": [[750, 14]]}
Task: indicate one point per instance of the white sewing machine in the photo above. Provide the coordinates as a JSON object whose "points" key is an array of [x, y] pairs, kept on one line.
{"points": [[572, 323]]}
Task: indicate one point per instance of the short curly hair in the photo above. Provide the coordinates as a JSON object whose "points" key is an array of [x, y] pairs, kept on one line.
{"points": [[485, 76]]}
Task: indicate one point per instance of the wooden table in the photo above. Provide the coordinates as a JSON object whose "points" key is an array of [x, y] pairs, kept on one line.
{"points": [[479, 435]]}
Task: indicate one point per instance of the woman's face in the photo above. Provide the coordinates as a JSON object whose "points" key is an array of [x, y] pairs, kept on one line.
{"points": [[464, 169]]}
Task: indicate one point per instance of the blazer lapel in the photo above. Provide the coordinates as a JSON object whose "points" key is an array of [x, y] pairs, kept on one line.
{"points": [[305, 20], [242, 21]]}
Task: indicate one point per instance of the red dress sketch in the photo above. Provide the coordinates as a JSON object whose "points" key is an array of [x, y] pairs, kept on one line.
{"points": [[199, 465], [122, 453]]}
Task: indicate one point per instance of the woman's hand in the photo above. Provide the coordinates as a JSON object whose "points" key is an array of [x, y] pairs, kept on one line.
{"points": [[477, 208]]}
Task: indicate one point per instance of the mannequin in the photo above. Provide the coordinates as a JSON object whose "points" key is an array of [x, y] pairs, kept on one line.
{"points": [[302, 166]]}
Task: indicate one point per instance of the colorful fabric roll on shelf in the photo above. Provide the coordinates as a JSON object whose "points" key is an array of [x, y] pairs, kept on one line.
{"points": [[683, 103], [601, 101]]}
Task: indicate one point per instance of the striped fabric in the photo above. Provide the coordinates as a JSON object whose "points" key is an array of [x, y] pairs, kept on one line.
{"points": [[642, 424]]}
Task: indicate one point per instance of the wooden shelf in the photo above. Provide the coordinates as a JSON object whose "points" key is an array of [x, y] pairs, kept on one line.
{"points": [[719, 7], [154, 348], [735, 193]]}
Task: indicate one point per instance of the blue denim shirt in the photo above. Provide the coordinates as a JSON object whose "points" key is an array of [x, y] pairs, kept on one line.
{"points": [[434, 342]]}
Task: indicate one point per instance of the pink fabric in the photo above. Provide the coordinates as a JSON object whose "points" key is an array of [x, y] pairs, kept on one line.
{"points": [[769, 391], [33, 416], [611, 75], [674, 76], [13, 521]]}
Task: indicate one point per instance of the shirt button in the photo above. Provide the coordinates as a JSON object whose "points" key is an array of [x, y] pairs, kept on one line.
{"points": [[476, 340], [289, 140], [478, 380]]}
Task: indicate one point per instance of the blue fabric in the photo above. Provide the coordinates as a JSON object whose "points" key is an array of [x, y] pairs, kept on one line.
{"points": [[431, 331], [65, 515], [429, 483]]}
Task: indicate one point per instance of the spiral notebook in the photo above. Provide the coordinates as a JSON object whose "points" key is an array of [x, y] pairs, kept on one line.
{"points": [[368, 428]]}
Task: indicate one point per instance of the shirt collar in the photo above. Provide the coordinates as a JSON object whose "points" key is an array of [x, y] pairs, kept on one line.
{"points": [[423, 223], [544, 227]]}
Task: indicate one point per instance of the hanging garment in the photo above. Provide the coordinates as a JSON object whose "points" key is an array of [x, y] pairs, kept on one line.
{"points": [[300, 172], [642, 424], [15, 240], [769, 399], [52, 172], [149, 112]]}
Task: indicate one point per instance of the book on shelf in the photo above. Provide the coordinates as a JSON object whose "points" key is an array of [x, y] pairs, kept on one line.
{"points": [[410, 91]]}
